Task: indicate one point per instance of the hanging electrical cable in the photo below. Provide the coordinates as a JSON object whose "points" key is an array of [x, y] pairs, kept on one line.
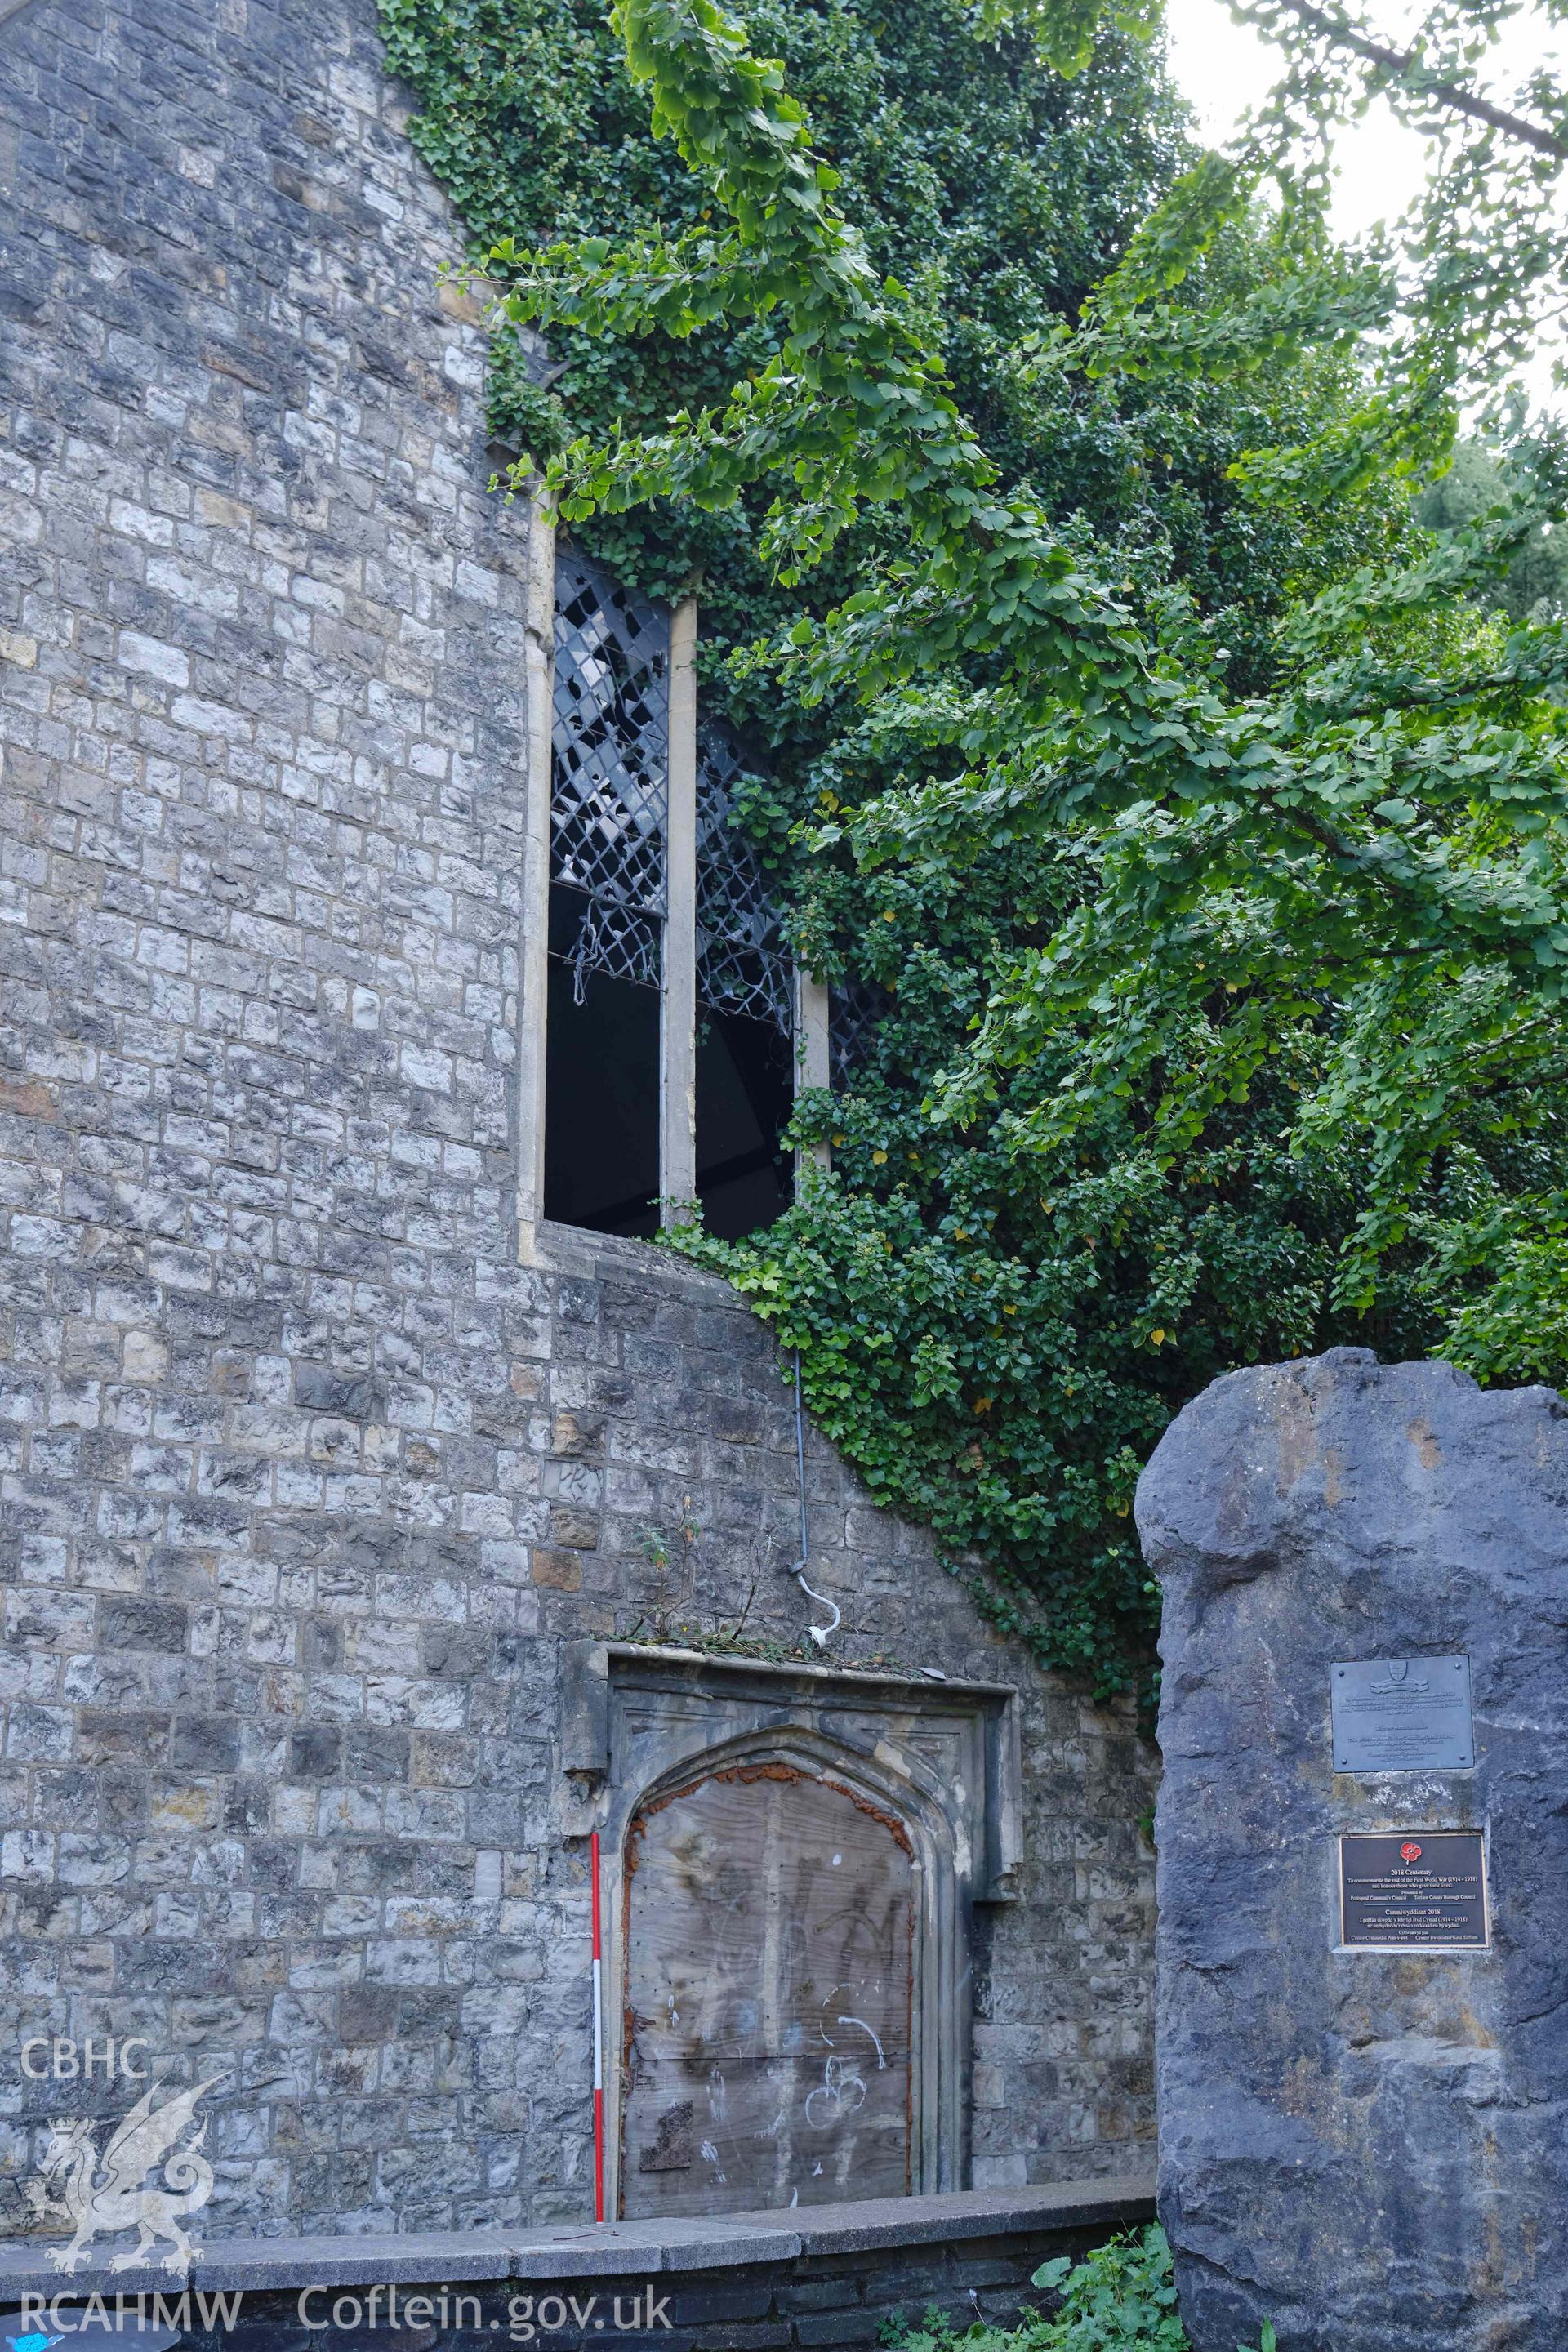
{"points": [[820, 1634], [599, 2038]]}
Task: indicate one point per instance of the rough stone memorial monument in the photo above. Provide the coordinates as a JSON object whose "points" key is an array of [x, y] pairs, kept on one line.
{"points": [[1362, 1837]]}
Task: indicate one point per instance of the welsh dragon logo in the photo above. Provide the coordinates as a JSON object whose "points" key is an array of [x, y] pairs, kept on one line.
{"points": [[100, 2193]]}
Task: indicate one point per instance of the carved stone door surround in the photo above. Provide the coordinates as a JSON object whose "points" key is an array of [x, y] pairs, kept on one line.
{"points": [[941, 1758]]}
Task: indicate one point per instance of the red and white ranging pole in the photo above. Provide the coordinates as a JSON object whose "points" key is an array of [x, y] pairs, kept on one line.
{"points": [[598, 2043]]}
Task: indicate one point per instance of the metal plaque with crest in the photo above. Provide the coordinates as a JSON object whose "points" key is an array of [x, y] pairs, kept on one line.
{"points": [[1402, 1715]]}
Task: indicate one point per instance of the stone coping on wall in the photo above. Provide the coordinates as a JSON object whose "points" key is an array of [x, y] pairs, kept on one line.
{"points": [[613, 2249]]}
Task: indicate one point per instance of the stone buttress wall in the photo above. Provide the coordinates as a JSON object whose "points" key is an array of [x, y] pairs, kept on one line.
{"points": [[303, 1479]]}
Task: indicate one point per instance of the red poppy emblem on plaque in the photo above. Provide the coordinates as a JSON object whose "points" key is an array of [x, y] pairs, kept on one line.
{"points": [[1410, 1852]]}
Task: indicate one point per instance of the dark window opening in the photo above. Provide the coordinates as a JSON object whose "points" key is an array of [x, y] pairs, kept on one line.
{"points": [[601, 1088], [744, 1090], [610, 803]]}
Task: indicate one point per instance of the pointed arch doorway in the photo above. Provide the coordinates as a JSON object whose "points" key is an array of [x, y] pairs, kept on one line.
{"points": [[769, 2018]]}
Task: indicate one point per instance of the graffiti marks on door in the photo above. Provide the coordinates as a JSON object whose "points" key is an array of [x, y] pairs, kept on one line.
{"points": [[767, 1998]]}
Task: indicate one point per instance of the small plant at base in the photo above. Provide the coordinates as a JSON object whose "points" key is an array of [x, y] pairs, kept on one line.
{"points": [[1121, 2299]]}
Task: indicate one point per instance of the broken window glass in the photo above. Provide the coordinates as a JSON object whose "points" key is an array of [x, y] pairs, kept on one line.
{"points": [[745, 1021], [609, 813], [856, 1008], [609, 945]]}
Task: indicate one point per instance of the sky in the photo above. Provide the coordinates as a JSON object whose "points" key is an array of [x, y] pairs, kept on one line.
{"points": [[1224, 67]]}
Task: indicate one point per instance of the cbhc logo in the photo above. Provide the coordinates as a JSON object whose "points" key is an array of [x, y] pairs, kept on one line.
{"points": [[70, 2061]]}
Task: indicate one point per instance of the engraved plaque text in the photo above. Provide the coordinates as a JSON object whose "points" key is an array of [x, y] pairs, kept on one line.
{"points": [[1413, 1890], [1402, 1715]]}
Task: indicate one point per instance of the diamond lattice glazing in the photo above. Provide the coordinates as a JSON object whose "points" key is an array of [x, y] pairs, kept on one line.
{"points": [[610, 769], [741, 964]]}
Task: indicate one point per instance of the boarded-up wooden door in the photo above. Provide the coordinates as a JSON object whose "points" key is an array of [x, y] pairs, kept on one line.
{"points": [[767, 1999]]}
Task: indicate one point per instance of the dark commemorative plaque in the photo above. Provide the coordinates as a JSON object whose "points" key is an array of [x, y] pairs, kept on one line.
{"points": [[1402, 1715], [1413, 1890]]}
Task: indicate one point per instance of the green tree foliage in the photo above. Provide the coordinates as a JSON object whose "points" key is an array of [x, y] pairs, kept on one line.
{"points": [[1477, 270], [1200, 830], [1535, 586], [997, 194]]}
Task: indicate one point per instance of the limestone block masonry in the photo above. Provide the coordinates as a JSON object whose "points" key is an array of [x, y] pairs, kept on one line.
{"points": [[305, 1480], [1365, 2146]]}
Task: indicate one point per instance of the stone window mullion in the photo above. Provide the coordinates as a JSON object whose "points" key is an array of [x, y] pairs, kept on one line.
{"points": [[678, 1022], [539, 658]]}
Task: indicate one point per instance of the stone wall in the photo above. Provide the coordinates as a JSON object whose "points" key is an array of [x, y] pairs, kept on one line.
{"points": [[305, 1478]]}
